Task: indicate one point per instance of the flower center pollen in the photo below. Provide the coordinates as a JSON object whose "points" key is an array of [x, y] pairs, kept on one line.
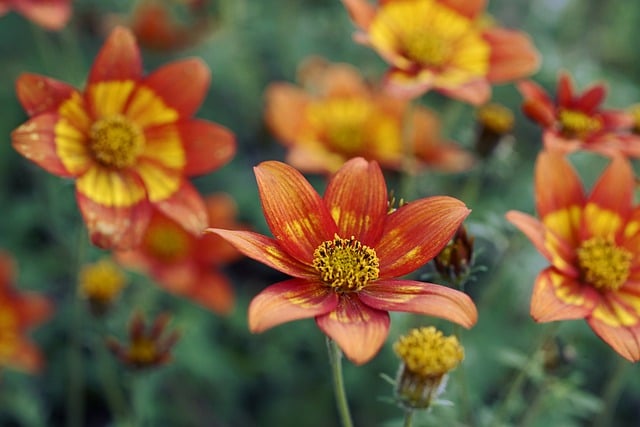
{"points": [[603, 264], [427, 48], [116, 141], [427, 352], [578, 124], [346, 264]]}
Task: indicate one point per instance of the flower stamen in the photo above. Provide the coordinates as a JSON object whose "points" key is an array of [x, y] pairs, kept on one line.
{"points": [[346, 264], [116, 141], [603, 264], [578, 124]]}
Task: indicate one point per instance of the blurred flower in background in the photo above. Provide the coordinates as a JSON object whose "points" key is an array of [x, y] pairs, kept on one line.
{"points": [[574, 122], [189, 265], [128, 140], [345, 253], [19, 312], [592, 243], [494, 124], [101, 283], [446, 45], [335, 115], [49, 14]]}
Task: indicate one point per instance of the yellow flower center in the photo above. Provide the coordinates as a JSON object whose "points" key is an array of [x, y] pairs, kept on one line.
{"points": [[603, 264], [427, 48], [634, 110], [8, 334], [346, 264], [427, 353], [143, 351], [578, 124], [341, 123], [496, 118], [116, 141], [167, 242], [101, 281]]}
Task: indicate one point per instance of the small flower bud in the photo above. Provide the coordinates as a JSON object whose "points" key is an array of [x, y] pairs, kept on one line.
{"points": [[101, 283], [494, 122], [453, 263]]}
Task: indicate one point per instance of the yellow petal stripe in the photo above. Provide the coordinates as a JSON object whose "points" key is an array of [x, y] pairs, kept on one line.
{"points": [[160, 183], [71, 134], [110, 188], [109, 98], [621, 309], [601, 222], [147, 109], [165, 147]]}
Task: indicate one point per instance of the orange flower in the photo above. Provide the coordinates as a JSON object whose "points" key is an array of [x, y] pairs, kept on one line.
{"points": [[446, 45], [185, 264], [593, 244], [49, 14], [18, 313], [345, 253], [128, 140], [337, 116], [577, 122]]}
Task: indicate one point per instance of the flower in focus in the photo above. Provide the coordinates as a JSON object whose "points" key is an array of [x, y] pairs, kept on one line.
{"points": [[345, 253], [446, 45], [495, 122], [147, 347], [101, 283], [128, 140], [335, 116], [185, 264], [427, 357], [574, 122], [49, 14], [18, 313], [592, 242]]}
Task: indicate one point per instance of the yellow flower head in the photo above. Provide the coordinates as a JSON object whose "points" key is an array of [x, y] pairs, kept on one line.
{"points": [[101, 283]]}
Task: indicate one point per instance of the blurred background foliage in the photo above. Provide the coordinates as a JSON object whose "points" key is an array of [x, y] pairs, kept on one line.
{"points": [[221, 375]]}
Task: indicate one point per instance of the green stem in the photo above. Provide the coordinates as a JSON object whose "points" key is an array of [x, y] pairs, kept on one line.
{"points": [[611, 393], [535, 405], [408, 418], [408, 181], [335, 358]]}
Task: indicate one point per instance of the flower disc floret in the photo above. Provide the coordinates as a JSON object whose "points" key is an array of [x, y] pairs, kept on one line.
{"points": [[603, 264], [578, 124], [346, 264], [116, 141], [426, 352]]}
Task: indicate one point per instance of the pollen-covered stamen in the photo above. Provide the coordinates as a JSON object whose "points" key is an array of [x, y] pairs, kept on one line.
{"points": [[427, 352], [603, 264], [578, 124], [116, 141], [341, 122], [346, 264], [427, 48]]}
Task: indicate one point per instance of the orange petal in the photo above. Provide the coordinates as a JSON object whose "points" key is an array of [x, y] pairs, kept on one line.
{"points": [[359, 330], [537, 105], [591, 99], [215, 292], [207, 146], [36, 140], [285, 109], [289, 300], [361, 12], [38, 94], [417, 232], [513, 56], [421, 298], [624, 340], [265, 250], [357, 199], [469, 8], [118, 59], [50, 14], [557, 184], [182, 84], [186, 207], [407, 85], [564, 91], [7, 271], [476, 92], [558, 297], [295, 213], [33, 309], [25, 357]]}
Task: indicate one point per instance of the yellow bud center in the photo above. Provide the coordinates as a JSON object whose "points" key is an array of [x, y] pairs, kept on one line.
{"points": [[603, 264], [143, 351], [578, 124], [427, 48], [167, 242], [116, 141], [496, 118], [346, 264], [341, 123], [101, 281], [8, 334], [427, 353]]}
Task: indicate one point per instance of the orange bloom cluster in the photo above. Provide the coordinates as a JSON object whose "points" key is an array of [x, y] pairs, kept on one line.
{"points": [[593, 244], [446, 45], [336, 115], [574, 122], [49, 14], [185, 264], [128, 140], [345, 252], [18, 313]]}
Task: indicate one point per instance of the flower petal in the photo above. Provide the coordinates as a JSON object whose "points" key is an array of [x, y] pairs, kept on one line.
{"points": [[38, 94], [295, 213], [285, 111], [186, 207], [624, 340], [417, 232], [558, 297], [50, 14], [469, 8], [118, 59], [292, 299], [208, 146], [361, 12], [591, 99], [360, 331], [182, 85], [25, 357], [558, 186], [357, 199], [421, 298], [476, 92], [564, 91], [265, 250], [537, 105], [513, 56]]}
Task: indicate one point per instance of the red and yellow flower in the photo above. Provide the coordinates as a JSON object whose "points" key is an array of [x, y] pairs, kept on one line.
{"points": [[336, 115], [18, 313], [185, 264], [574, 121], [128, 140], [593, 244], [446, 45], [346, 252], [49, 14]]}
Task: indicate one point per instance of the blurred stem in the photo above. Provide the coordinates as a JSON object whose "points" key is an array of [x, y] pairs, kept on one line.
{"points": [[408, 181], [461, 379], [408, 418], [518, 382], [535, 404], [611, 394], [335, 358]]}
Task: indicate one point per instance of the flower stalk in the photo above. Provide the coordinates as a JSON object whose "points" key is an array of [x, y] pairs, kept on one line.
{"points": [[335, 359]]}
